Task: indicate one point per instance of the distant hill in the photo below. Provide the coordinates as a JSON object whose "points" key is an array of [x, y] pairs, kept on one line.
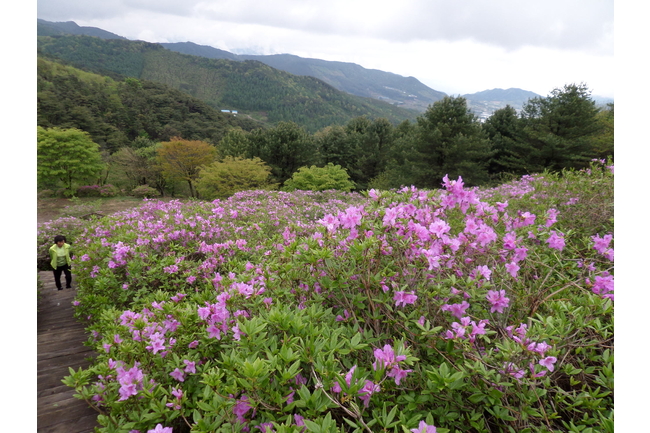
{"points": [[406, 92], [250, 87], [484, 103], [348, 77], [47, 28]]}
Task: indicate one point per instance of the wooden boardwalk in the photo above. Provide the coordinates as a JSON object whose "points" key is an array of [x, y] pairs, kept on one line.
{"points": [[60, 345]]}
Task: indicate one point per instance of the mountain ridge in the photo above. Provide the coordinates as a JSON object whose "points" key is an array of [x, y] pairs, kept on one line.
{"points": [[349, 77], [406, 92], [250, 87], [486, 102], [48, 28]]}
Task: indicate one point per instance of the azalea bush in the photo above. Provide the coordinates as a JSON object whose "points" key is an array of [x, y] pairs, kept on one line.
{"points": [[107, 190], [145, 191], [455, 310]]}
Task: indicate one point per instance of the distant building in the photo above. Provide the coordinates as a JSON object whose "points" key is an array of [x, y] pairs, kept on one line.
{"points": [[225, 111]]}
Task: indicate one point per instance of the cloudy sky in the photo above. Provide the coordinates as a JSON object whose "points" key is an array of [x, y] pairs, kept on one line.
{"points": [[455, 46]]}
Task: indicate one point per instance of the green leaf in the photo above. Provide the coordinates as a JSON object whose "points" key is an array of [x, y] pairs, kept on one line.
{"points": [[476, 398], [312, 426]]}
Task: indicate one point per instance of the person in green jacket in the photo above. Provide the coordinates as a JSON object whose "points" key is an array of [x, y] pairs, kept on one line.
{"points": [[61, 259]]}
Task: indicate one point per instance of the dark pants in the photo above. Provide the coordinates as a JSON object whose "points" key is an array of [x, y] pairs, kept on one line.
{"points": [[68, 276]]}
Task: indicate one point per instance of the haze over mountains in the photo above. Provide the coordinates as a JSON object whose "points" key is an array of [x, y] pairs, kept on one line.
{"points": [[405, 92]]}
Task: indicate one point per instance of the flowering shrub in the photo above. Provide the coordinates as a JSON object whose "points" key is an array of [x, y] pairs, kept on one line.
{"points": [[145, 191], [107, 190], [408, 310]]}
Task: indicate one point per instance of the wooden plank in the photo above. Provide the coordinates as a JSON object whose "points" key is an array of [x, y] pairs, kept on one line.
{"points": [[84, 424], [56, 351], [60, 342]]}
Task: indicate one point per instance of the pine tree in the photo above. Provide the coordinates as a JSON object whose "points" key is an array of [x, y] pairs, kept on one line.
{"points": [[450, 141]]}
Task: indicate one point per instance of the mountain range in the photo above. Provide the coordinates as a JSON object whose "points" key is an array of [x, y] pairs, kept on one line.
{"points": [[250, 88], [351, 78], [399, 91]]}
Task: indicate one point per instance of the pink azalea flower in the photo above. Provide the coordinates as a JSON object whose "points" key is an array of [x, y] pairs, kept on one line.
{"points": [[512, 269], [240, 408], [178, 297], [398, 374], [369, 388], [348, 376], [160, 429], [214, 332], [551, 217], [548, 362], [300, 420], [178, 393], [601, 244], [190, 366], [556, 241], [498, 300], [423, 427], [404, 298], [484, 271], [457, 310], [178, 375]]}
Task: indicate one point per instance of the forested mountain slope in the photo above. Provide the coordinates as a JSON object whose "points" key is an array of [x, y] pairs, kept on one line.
{"points": [[249, 86], [116, 112], [351, 78], [348, 77]]}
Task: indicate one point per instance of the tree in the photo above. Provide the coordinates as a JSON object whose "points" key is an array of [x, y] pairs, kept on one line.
{"points": [[319, 179], [182, 159], [560, 127], [603, 141], [372, 142], [511, 150], [235, 143], [222, 179], [334, 146], [132, 164], [66, 155], [450, 141], [285, 148]]}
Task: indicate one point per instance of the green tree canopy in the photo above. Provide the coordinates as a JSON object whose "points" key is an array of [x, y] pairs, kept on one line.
{"points": [[222, 179], [285, 148], [450, 141], [560, 127], [138, 166], [319, 179], [603, 141], [511, 150], [235, 143], [68, 156], [182, 159]]}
